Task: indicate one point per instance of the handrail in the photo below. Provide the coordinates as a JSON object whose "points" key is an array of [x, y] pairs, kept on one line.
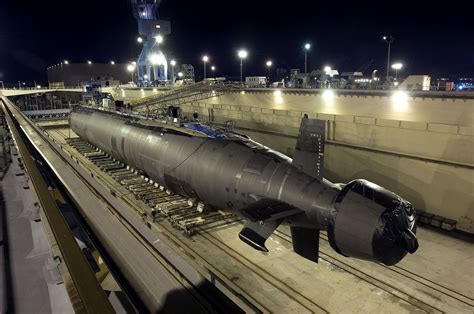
{"points": [[93, 297]]}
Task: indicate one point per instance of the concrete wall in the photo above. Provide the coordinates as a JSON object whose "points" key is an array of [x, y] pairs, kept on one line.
{"points": [[427, 157]]}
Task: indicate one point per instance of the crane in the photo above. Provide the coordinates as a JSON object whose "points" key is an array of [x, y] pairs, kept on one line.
{"points": [[152, 64]]}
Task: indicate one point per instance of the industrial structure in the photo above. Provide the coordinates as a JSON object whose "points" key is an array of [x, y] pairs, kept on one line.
{"points": [[69, 74], [152, 64], [132, 188], [176, 198]]}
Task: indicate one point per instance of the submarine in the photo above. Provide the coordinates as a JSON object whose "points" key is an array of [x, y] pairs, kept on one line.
{"points": [[267, 188]]}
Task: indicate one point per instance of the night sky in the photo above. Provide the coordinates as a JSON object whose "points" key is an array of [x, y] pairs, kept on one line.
{"points": [[434, 38]]}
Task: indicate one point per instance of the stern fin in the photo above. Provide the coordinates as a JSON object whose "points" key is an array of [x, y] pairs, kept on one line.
{"points": [[306, 242], [309, 150]]}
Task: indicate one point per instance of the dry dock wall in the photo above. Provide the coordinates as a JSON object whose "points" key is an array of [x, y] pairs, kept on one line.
{"points": [[420, 147]]}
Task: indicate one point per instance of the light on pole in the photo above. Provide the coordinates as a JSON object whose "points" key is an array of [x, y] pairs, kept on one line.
{"points": [[389, 40], [213, 68], [242, 55], [131, 69], [397, 67], [307, 46], [173, 63], [159, 39], [269, 64], [139, 40], [205, 59]]}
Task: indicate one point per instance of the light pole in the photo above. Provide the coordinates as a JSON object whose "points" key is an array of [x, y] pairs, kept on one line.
{"points": [[397, 67], [131, 69], [213, 68], [307, 46], [242, 55], [205, 59], [173, 63], [389, 40], [269, 64]]}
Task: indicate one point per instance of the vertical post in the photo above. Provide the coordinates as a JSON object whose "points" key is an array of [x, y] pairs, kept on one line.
{"points": [[388, 59], [241, 75], [204, 70], [305, 61]]}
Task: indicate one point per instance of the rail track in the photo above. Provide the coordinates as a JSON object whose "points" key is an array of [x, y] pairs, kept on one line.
{"points": [[140, 181], [419, 282]]}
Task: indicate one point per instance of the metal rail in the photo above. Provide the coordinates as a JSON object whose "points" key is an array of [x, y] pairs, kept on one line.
{"points": [[187, 94], [182, 213], [93, 297]]}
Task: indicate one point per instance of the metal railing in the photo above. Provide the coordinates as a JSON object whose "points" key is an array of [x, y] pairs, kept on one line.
{"points": [[185, 94]]}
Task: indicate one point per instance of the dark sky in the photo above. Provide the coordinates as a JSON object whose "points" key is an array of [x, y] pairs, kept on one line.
{"points": [[435, 37]]}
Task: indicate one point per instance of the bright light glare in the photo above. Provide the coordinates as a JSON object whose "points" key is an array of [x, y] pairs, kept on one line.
{"points": [[130, 68], [400, 101], [145, 77], [173, 63], [205, 58], [278, 97], [38, 86], [157, 59], [242, 54], [139, 40], [327, 69], [66, 62], [180, 74], [213, 68], [307, 46], [89, 62], [269, 63], [328, 95], [397, 66], [155, 90], [112, 62], [159, 39]]}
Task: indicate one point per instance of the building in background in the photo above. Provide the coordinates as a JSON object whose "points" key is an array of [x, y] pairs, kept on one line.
{"points": [[75, 74]]}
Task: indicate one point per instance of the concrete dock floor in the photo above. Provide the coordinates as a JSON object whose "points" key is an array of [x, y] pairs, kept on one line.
{"points": [[439, 277], [35, 282]]}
